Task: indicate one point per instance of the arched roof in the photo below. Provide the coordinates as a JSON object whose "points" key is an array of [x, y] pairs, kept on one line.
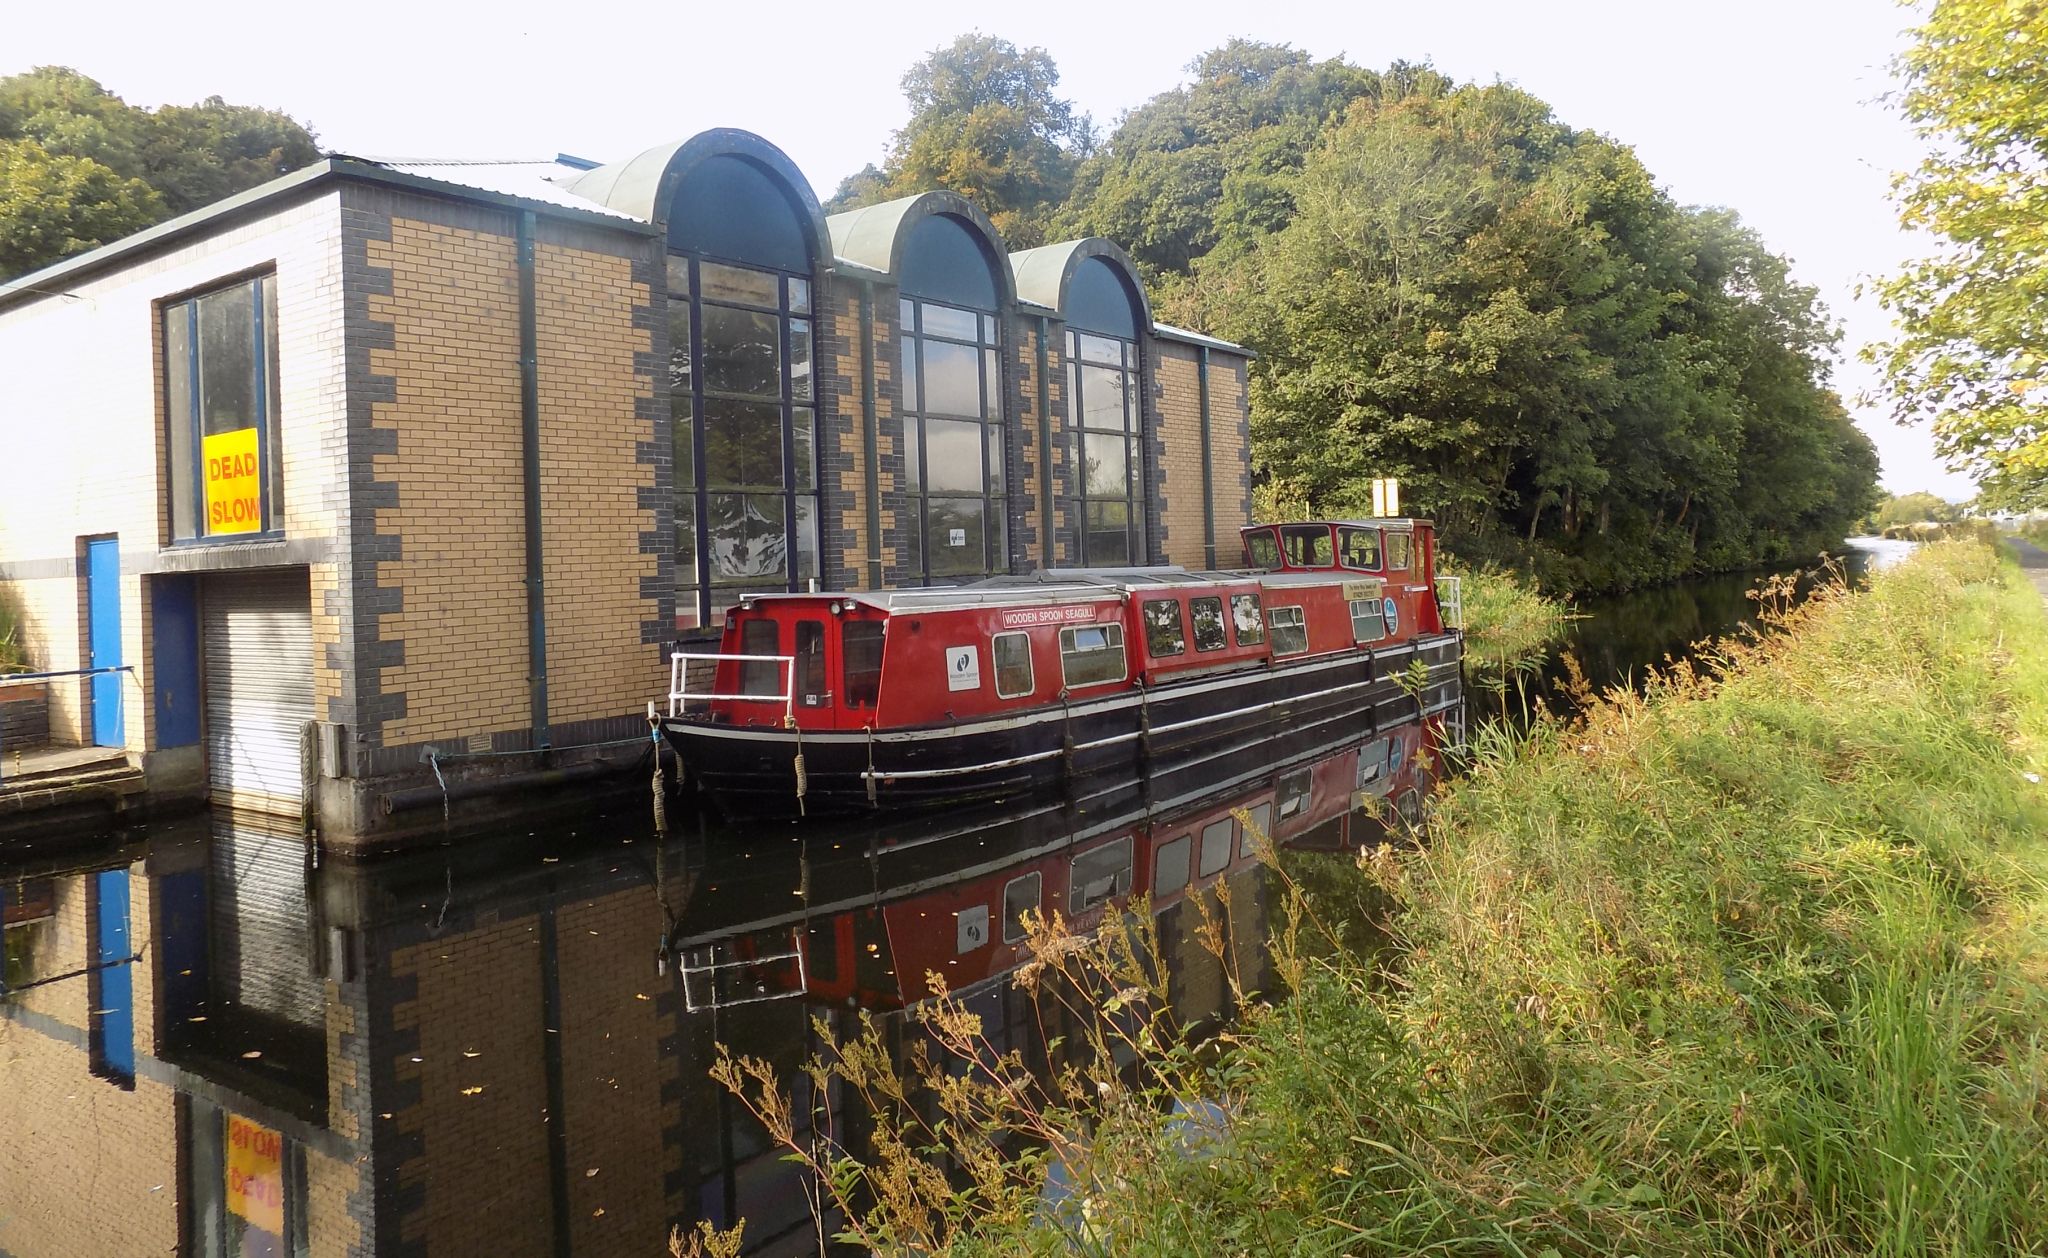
{"points": [[1045, 275], [645, 186], [873, 236]]}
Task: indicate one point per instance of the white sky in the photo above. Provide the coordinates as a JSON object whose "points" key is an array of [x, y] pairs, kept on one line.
{"points": [[1768, 106]]}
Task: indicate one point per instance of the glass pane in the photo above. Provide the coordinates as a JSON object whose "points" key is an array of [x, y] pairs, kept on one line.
{"points": [[953, 527], [906, 315], [860, 662], [913, 473], [1013, 665], [1308, 545], [1163, 632], [760, 677], [946, 321], [810, 663], [732, 283], [998, 536], [1073, 394], [806, 538], [1263, 549], [799, 296], [742, 352], [952, 456], [1109, 538], [1397, 550], [273, 498], [1099, 874], [742, 444], [988, 330], [1170, 867], [1290, 630], [991, 385], [1244, 619], [803, 441], [800, 383], [1108, 467], [1020, 895], [1102, 393], [1207, 615], [908, 374], [913, 542], [1215, 846], [995, 457], [745, 538], [1259, 830], [227, 359], [1092, 654], [952, 379], [686, 551], [678, 276], [679, 346], [185, 483], [1101, 349], [683, 429], [1360, 547]]}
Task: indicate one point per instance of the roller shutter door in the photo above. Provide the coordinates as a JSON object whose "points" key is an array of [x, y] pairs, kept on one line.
{"points": [[259, 922], [258, 632]]}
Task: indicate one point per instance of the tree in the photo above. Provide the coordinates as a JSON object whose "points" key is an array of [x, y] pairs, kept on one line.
{"points": [[985, 123], [83, 167], [1971, 353], [1912, 509]]}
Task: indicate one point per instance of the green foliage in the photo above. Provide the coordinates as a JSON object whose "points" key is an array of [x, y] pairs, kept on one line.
{"points": [[13, 655], [1507, 620], [1911, 509], [985, 123], [1973, 316], [80, 167]]}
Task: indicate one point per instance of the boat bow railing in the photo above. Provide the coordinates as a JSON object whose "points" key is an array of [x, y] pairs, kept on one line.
{"points": [[680, 696], [1450, 601]]}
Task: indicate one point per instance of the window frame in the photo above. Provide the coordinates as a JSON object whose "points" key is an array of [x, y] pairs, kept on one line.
{"points": [[803, 555], [1186, 855], [1348, 531], [1273, 627], [1261, 815], [1237, 630], [1131, 371], [1066, 650], [1407, 539], [846, 663], [1310, 533], [1179, 626], [1378, 615], [1228, 828], [996, 665], [993, 425], [1037, 881], [1270, 536], [1195, 623], [1127, 871], [267, 399], [749, 669]]}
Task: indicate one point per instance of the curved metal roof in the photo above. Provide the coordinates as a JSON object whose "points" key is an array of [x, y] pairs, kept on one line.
{"points": [[872, 237], [1044, 273], [645, 185]]}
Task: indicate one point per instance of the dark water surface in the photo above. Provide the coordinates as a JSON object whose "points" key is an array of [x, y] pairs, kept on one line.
{"points": [[212, 1044]]}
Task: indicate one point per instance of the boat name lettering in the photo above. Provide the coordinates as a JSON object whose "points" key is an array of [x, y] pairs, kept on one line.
{"points": [[1075, 614]]}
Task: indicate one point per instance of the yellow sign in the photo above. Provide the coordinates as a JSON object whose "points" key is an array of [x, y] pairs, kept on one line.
{"points": [[1370, 587], [234, 482], [256, 1175]]}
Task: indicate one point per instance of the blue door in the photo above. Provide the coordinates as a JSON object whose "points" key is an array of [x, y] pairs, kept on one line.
{"points": [[103, 615], [114, 1007]]}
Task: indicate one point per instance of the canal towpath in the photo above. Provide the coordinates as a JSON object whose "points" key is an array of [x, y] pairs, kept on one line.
{"points": [[2033, 560]]}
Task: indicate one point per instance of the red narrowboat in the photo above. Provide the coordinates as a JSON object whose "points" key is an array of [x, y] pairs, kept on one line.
{"points": [[828, 702]]}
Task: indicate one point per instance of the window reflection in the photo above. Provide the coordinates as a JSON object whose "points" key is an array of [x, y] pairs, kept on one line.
{"points": [[1104, 409], [953, 443]]}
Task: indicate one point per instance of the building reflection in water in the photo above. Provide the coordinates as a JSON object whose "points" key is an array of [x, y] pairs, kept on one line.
{"points": [[210, 1047]]}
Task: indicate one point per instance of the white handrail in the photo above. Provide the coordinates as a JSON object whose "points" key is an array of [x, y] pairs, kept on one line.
{"points": [[678, 680], [1450, 601]]}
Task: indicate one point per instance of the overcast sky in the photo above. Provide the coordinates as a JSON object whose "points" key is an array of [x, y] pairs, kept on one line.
{"points": [[1767, 106]]}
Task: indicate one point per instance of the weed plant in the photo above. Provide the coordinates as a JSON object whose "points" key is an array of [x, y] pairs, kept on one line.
{"points": [[1755, 962]]}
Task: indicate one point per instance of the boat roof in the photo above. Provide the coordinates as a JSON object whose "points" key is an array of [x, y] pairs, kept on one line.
{"points": [[1063, 585], [1380, 522]]}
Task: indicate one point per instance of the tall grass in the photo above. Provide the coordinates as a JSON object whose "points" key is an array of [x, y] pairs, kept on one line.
{"points": [[1755, 963], [1507, 620]]}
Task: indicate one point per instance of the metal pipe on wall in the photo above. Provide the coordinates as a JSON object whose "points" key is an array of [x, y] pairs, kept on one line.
{"points": [[529, 431], [1208, 463]]}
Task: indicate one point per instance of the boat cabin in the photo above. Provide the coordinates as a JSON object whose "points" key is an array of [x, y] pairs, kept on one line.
{"points": [[911, 658]]}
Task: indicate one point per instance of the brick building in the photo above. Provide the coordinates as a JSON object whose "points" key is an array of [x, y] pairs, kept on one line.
{"points": [[379, 470]]}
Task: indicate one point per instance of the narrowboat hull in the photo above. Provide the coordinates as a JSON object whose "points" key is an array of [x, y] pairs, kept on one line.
{"points": [[752, 771]]}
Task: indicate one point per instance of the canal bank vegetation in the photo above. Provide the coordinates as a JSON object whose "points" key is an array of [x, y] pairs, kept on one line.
{"points": [[1753, 963], [1508, 619]]}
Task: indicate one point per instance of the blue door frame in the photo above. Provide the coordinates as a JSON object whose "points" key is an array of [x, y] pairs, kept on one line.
{"points": [[103, 630]]}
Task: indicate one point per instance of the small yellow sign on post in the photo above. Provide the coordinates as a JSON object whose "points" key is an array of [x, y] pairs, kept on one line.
{"points": [[234, 482], [255, 1173], [1386, 496]]}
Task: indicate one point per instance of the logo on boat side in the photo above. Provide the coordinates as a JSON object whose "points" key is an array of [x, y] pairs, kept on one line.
{"points": [[963, 668], [1393, 615]]}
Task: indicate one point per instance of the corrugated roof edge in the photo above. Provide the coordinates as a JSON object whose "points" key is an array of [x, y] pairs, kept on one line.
{"points": [[1168, 332], [48, 282]]}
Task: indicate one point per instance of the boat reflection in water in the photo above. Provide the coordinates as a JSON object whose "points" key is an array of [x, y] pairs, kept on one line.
{"points": [[209, 1048]]}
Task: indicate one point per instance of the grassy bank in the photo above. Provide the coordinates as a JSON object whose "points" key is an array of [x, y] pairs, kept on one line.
{"points": [[1507, 619], [1756, 967]]}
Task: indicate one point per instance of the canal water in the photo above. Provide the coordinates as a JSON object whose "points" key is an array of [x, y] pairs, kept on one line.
{"points": [[212, 1044]]}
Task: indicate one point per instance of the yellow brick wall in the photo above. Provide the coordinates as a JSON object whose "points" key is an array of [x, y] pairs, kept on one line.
{"points": [[1180, 420], [846, 492], [1031, 478], [591, 519]]}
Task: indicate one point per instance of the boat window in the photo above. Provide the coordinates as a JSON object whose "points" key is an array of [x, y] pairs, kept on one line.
{"points": [[1019, 894], [1091, 655], [1397, 549], [1260, 829], [1170, 867], [1012, 653], [1360, 547], [1290, 630], [1244, 619], [1262, 549], [860, 651], [1163, 632], [1099, 874], [1368, 619], [1207, 615], [1308, 545], [810, 664], [1293, 793], [760, 677], [1215, 846], [1372, 762]]}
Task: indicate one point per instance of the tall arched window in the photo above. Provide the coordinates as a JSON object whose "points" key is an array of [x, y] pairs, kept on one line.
{"points": [[953, 433], [743, 394], [1105, 415]]}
